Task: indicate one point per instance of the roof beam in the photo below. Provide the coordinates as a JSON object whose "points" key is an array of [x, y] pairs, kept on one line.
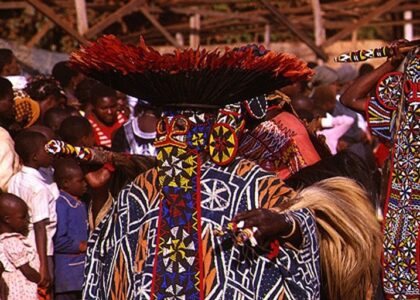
{"points": [[14, 5], [56, 19], [145, 11], [42, 31], [376, 12], [211, 13], [280, 18], [130, 7]]}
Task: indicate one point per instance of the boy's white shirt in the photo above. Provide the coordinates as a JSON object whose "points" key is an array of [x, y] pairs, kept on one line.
{"points": [[40, 196]]}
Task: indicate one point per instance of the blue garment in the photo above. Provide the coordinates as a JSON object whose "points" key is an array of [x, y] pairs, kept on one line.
{"points": [[122, 248], [72, 229]]}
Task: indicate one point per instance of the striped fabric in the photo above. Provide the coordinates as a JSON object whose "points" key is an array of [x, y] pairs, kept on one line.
{"points": [[103, 134], [379, 119]]}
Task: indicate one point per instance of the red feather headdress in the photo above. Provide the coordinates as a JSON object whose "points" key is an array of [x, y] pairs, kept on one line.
{"points": [[188, 77]]}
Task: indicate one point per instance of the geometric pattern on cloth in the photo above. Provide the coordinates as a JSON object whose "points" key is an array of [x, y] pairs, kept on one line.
{"points": [[223, 140], [389, 90], [272, 146], [379, 119], [122, 249], [178, 265], [402, 211]]}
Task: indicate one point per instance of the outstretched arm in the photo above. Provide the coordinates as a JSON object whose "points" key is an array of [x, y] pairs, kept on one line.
{"points": [[356, 95]]}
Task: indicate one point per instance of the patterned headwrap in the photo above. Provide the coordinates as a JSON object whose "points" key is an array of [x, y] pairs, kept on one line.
{"points": [[26, 110]]}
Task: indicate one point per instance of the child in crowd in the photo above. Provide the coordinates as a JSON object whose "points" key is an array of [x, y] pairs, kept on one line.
{"points": [[78, 132], [39, 195], [17, 256], [55, 116], [72, 230]]}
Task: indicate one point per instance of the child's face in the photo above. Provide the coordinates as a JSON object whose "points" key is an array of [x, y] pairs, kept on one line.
{"points": [[19, 219], [44, 159], [76, 184]]}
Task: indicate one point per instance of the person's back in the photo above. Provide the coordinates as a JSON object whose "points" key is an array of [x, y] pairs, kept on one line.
{"points": [[137, 136], [225, 192]]}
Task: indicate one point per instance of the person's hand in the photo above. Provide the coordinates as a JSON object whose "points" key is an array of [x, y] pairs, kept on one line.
{"points": [[269, 223], [397, 56], [45, 280]]}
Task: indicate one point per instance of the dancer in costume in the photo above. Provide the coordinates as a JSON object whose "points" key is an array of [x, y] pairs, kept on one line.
{"points": [[283, 143], [393, 116], [159, 240]]}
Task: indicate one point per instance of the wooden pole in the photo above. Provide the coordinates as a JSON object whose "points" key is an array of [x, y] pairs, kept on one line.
{"points": [[267, 36], [82, 20], [319, 30], [179, 38], [195, 31], [408, 27]]}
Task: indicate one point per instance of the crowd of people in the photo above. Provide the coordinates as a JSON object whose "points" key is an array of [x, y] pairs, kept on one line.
{"points": [[303, 196]]}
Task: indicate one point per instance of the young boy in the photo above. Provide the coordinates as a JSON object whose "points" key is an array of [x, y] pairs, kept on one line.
{"points": [[40, 197], [72, 230], [78, 132]]}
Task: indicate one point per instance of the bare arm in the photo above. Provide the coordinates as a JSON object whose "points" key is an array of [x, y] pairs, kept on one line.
{"points": [[4, 289], [41, 246], [356, 95], [30, 273]]}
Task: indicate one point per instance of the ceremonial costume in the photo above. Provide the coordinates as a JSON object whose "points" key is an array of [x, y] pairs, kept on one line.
{"points": [[158, 241], [281, 144], [393, 115]]}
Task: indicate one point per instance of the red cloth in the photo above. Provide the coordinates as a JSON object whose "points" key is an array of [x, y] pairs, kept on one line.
{"points": [[381, 154], [103, 133], [280, 145], [301, 140]]}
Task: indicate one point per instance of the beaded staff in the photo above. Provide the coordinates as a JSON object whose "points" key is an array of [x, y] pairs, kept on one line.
{"points": [[86, 154], [363, 55]]}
